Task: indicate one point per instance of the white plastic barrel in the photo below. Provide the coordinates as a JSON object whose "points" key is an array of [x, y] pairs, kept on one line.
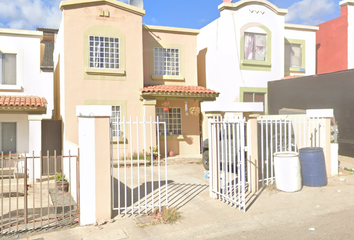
{"points": [[287, 171]]}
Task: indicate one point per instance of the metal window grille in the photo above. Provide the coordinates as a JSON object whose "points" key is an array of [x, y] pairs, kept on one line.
{"points": [[173, 119], [167, 61], [115, 121], [104, 52]]}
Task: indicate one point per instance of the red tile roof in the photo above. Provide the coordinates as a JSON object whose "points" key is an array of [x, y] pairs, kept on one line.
{"points": [[177, 89], [22, 101]]}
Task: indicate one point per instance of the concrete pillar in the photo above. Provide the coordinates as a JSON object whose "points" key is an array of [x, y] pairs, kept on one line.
{"points": [[95, 173], [35, 144]]}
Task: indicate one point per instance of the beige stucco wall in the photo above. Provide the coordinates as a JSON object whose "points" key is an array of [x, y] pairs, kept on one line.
{"points": [[189, 141], [80, 86], [187, 43]]}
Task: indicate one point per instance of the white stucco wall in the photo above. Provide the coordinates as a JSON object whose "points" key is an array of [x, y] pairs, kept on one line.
{"points": [[222, 38], [350, 36], [310, 48], [29, 75]]}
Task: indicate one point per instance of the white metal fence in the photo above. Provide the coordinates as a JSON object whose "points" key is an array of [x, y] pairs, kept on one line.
{"points": [[280, 134], [237, 171], [139, 173], [229, 178]]}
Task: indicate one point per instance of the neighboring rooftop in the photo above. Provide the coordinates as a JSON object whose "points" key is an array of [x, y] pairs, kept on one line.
{"points": [[22, 101]]}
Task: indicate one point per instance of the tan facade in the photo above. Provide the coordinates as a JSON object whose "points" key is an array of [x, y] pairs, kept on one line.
{"points": [[81, 83]]}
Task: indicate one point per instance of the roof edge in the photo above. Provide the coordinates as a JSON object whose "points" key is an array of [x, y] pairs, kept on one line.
{"points": [[172, 29], [18, 32], [242, 3], [117, 4], [301, 27], [346, 2]]}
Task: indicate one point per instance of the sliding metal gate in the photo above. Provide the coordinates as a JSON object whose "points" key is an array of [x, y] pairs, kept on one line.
{"points": [[139, 172]]}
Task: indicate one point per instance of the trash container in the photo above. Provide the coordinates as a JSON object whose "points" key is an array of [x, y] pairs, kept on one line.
{"points": [[287, 171], [313, 167]]}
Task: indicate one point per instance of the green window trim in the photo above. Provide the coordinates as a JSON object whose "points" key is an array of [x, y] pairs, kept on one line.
{"points": [[252, 64], [104, 73], [303, 57], [254, 90]]}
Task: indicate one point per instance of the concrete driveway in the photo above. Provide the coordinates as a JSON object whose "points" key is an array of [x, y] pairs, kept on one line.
{"points": [[312, 213]]}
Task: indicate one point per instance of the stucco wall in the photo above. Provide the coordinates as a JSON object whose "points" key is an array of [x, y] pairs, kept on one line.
{"points": [[29, 76], [222, 41], [332, 44], [310, 48], [189, 141], [186, 43], [78, 86]]}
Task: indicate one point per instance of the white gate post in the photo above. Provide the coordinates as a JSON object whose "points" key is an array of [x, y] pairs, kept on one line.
{"points": [[95, 174]]}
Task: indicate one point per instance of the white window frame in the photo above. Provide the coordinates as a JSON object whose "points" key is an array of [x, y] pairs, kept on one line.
{"points": [[173, 119], [19, 70], [167, 61], [1, 68], [115, 120], [104, 52]]}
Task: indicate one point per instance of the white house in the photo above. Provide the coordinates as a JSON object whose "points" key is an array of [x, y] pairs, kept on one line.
{"points": [[26, 92], [247, 46]]}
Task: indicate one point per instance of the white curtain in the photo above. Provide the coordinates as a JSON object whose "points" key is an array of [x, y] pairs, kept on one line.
{"points": [[261, 43], [249, 46]]}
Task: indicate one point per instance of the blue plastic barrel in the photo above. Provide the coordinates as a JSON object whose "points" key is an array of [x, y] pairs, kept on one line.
{"points": [[313, 167]]}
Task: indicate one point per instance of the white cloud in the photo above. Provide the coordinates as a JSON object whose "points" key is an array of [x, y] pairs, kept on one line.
{"points": [[311, 12], [29, 14]]}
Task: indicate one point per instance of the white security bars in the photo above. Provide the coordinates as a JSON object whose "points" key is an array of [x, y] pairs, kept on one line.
{"points": [[139, 174], [229, 178]]}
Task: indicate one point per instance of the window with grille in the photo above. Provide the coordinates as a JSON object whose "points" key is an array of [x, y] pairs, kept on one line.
{"points": [[7, 69], [167, 61], [115, 119], [104, 52], [255, 46], [293, 55], [173, 119]]}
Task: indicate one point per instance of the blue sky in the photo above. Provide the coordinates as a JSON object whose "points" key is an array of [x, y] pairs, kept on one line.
{"points": [[29, 14]]}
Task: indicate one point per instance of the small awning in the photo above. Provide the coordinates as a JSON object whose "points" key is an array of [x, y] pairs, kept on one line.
{"points": [[178, 92], [23, 104]]}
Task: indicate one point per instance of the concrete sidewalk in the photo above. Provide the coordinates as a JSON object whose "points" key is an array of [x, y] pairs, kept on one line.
{"points": [[205, 218]]}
